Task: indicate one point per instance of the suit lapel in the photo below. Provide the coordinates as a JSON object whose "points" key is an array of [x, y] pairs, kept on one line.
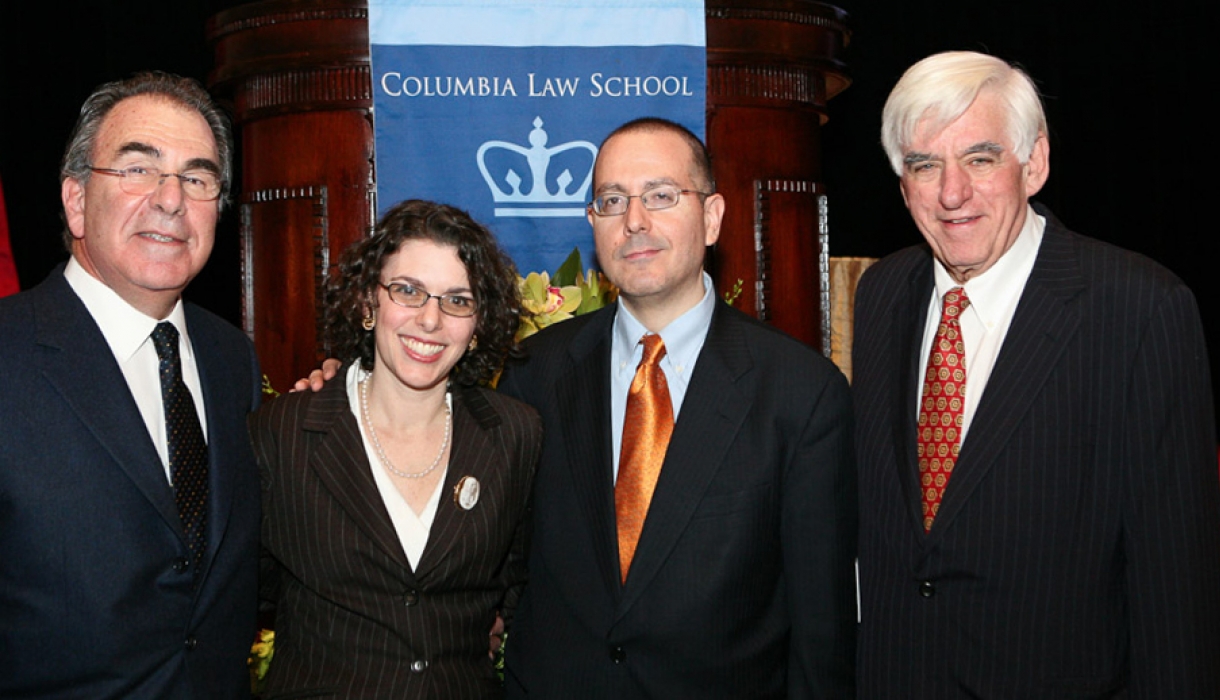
{"points": [[720, 395], [472, 455], [583, 393], [80, 365], [1044, 323], [910, 317], [339, 462], [216, 382]]}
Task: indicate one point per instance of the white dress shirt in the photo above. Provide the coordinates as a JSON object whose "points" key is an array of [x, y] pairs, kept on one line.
{"points": [[128, 332], [993, 300]]}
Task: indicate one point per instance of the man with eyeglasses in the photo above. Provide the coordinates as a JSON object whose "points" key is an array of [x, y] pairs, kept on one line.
{"points": [[129, 496], [741, 583]]}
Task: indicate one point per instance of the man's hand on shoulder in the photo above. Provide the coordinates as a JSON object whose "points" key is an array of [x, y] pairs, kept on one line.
{"points": [[318, 377]]}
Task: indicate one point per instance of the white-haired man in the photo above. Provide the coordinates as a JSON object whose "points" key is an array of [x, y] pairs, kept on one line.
{"points": [[1040, 504]]}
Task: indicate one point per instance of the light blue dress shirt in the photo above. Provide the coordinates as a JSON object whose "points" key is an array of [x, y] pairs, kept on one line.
{"points": [[683, 338]]}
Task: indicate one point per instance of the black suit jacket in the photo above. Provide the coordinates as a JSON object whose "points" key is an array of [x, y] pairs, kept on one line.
{"points": [[743, 582], [352, 619], [1076, 553], [96, 599]]}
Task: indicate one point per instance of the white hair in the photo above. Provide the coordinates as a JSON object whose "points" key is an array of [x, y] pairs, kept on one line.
{"points": [[937, 90]]}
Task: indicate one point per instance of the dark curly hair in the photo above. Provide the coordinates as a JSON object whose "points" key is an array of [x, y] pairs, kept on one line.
{"points": [[493, 279]]}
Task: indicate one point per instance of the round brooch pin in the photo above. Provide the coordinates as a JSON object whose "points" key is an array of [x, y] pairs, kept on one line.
{"points": [[466, 493]]}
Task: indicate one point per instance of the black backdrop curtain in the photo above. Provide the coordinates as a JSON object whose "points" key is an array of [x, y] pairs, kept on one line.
{"points": [[1124, 84]]}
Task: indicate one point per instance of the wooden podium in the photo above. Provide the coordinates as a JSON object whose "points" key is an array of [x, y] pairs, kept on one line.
{"points": [[296, 76]]}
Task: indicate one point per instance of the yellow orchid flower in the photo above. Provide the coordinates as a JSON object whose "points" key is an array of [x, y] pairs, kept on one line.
{"points": [[543, 304]]}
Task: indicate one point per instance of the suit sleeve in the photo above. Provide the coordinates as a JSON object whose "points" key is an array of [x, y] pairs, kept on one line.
{"points": [[819, 548], [529, 448], [512, 383], [1172, 515], [264, 440], [256, 377]]}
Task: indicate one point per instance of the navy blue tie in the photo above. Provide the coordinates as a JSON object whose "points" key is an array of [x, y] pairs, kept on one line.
{"points": [[188, 453]]}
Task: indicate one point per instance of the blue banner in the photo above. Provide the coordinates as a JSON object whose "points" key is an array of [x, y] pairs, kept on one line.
{"points": [[498, 107]]}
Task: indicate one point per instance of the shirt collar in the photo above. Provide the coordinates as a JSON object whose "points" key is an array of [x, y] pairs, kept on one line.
{"points": [[989, 291], [124, 327], [683, 337]]}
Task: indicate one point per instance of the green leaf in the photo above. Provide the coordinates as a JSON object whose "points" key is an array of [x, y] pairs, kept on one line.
{"points": [[730, 297], [565, 276]]}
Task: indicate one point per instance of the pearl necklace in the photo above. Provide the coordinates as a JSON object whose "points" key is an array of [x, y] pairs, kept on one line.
{"points": [[364, 409]]}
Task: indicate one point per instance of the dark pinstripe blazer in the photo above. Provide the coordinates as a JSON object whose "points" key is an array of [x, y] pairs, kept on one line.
{"points": [[96, 600], [352, 619], [1076, 553], [743, 584]]}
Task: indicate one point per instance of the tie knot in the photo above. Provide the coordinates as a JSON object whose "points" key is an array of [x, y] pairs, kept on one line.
{"points": [[165, 338], [955, 301], [654, 349]]}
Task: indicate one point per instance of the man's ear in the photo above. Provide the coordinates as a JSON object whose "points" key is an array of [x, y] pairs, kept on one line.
{"points": [[713, 214], [72, 192], [1038, 169]]}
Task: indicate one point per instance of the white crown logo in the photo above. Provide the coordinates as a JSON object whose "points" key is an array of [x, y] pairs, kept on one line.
{"points": [[539, 199]]}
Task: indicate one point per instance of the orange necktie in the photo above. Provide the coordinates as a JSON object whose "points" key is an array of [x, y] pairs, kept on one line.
{"points": [[647, 426], [940, 410]]}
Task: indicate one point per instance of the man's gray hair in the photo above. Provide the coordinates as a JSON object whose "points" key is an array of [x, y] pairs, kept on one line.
{"points": [[78, 155], [937, 90]]}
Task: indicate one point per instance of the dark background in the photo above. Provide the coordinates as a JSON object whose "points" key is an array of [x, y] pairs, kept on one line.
{"points": [[1124, 85]]}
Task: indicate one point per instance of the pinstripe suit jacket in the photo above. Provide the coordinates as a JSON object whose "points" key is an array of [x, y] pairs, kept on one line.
{"points": [[96, 599], [1076, 553], [743, 582], [352, 619]]}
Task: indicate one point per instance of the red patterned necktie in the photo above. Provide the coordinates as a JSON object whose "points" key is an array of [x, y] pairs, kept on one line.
{"points": [[648, 423], [188, 453], [940, 409]]}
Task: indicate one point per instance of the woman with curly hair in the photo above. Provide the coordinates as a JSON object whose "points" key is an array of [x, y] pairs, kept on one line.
{"points": [[395, 499]]}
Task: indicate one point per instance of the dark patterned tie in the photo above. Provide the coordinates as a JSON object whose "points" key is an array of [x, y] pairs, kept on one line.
{"points": [[648, 423], [188, 453], [941, 409]]}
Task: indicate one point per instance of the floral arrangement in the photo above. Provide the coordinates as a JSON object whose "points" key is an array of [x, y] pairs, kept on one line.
{"points": [[260, 659], [546, 300]]}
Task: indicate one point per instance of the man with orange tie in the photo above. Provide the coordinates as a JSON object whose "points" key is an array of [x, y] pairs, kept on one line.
{"points": [[1041, 511], [695, 507]]}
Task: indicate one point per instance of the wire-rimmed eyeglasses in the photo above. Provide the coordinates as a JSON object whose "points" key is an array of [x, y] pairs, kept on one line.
{"points": [[140, 180], [413, 297], [655, 199]]}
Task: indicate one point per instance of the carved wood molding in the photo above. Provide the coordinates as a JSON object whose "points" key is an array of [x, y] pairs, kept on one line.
{"points": [[239, 24], [246, 234], [763, 191], [343, 87], [799, 84], [833, 23], [319, 243]]}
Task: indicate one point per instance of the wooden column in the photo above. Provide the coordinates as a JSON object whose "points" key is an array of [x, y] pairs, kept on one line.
{"points": [[772, 65], [296, 74]]}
